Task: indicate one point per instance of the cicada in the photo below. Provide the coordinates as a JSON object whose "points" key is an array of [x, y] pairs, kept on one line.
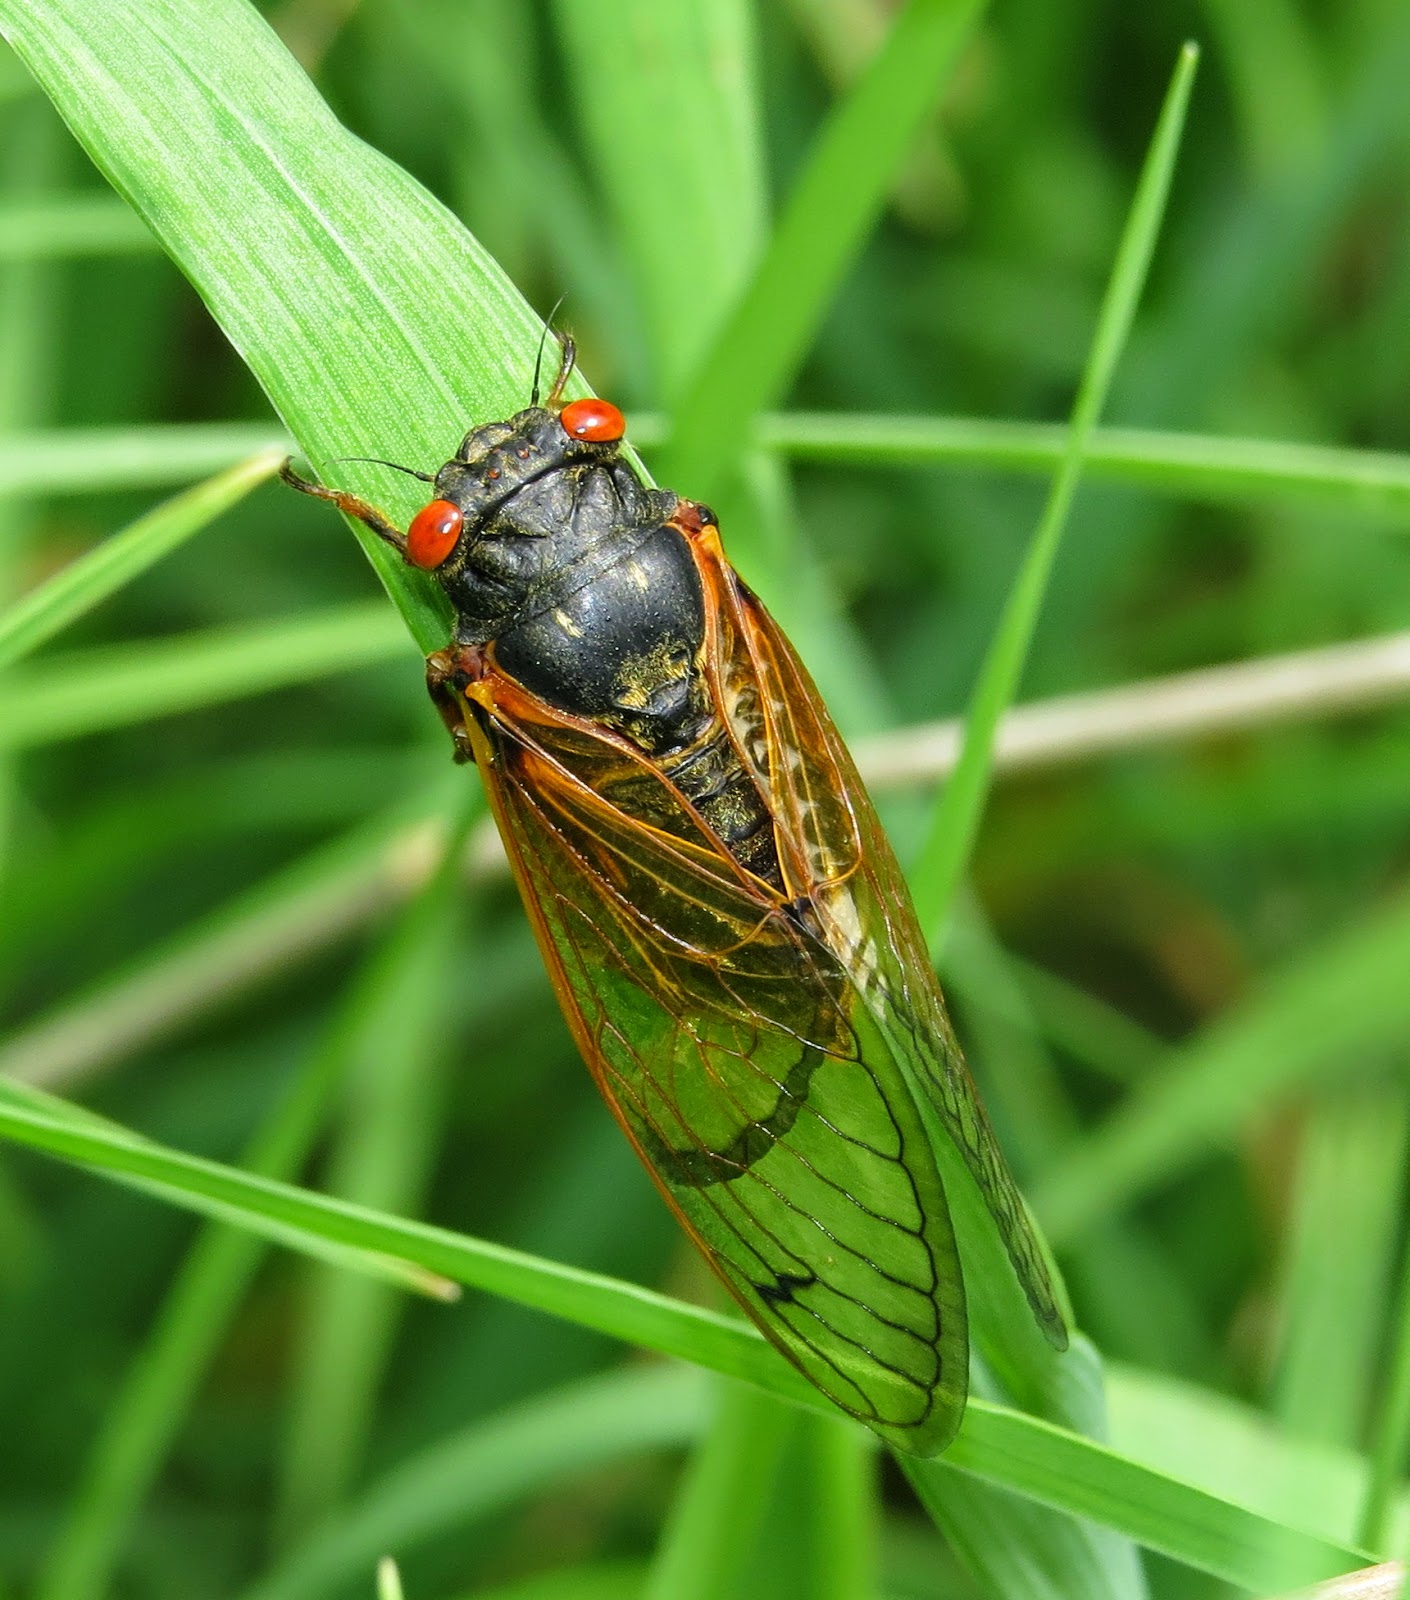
{"points": [[723, 920]]}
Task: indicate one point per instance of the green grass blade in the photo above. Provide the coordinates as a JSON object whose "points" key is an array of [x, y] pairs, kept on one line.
{"points": [[44, 611], [819, 1539], [31, 314], [841, 190], [950, 838], [1194, 466], [382, 1265], [1390, 1426], [705, 181], [61, 461], [112, 687], [1036, 1460], [638, 1316], [602, 1580], [1331, 1006], [71, 225], [840, 1559], [723, 1504], [777, 1504], [1057, 1468], [1347, 1210], [388, 1580], [492, 1464]]}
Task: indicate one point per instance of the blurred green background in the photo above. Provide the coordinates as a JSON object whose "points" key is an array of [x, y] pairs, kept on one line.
{"points": [[1182, 973]]}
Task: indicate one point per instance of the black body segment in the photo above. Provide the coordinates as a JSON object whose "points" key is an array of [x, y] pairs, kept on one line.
{"points": [[575, 573]]}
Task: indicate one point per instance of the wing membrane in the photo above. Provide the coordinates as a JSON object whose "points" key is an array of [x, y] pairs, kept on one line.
{"points": [[862, 896], [758, 1044], [730, 1044]]}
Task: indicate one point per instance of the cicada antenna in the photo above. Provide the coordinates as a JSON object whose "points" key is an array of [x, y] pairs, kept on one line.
{"points": [[396, 466], [543, 340], [565, 370]]}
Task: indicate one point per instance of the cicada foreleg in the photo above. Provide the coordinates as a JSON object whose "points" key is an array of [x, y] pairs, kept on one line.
{"points": [[367, 514], [446, 675]]}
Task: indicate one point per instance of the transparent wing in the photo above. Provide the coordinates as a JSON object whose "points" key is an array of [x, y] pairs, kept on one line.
{"points": [[839, 856], [731, 1045]]}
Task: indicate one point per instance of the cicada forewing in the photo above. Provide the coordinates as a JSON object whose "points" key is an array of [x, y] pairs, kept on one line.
{"points": [[865, 908], [743, 1036]]}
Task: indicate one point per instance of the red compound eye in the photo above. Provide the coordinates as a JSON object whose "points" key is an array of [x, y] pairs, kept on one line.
{"points": [[432, 534], [598, 420]]}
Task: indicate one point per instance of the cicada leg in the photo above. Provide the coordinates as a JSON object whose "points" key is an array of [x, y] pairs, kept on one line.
{"points": [[699, 524], [447, 673], [367, 514]]}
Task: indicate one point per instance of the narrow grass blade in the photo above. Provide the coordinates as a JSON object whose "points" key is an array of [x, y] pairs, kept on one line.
{"points": [[1390, 1429], [31, 313], [492, 1464], [1331, 1006], [71, 225], [1194, 466], [122, 684], [44, 611], [62, 461], [950, 838], [819, 1539], [840, 192], [723, 1503], [1056, 1468], [1041, 1462], [383, 1265], [154, 1399], [1347, 1211], [635, 1315], [601, 1580], [388, 1580], [705, 181]]}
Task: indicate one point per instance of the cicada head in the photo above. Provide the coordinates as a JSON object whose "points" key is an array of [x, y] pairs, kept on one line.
{"points": [[522, 504]]}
